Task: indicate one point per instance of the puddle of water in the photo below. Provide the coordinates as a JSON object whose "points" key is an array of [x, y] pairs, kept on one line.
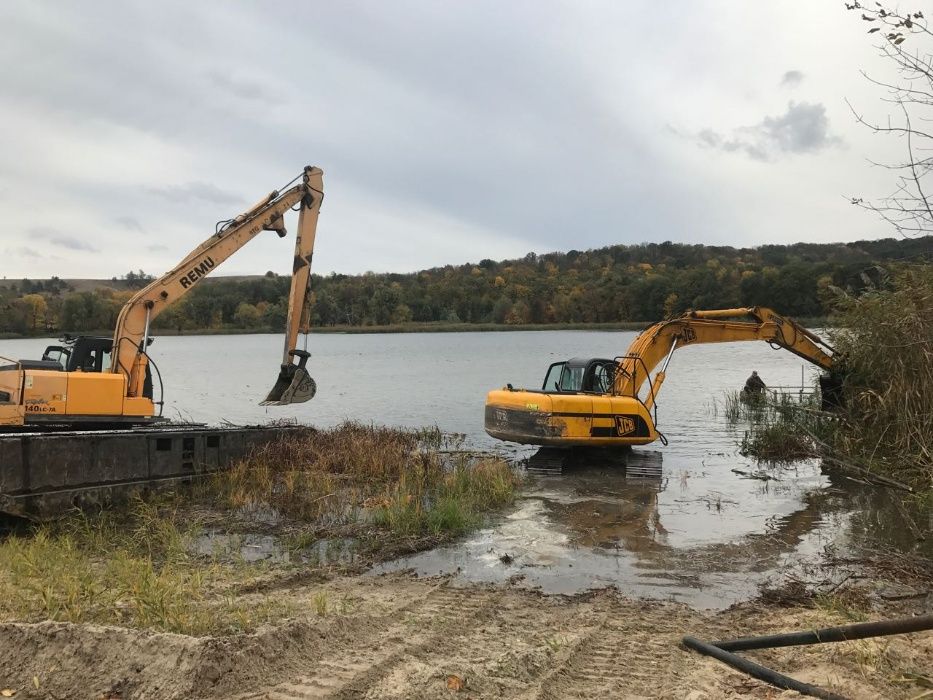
{"points": [[251, 548], [705, 536], [248, 547]]}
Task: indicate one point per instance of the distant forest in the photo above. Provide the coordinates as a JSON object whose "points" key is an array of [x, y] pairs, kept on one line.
{"points": [[613, 284]]}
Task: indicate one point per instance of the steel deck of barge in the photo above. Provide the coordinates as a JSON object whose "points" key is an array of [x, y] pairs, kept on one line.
{"points": [[42, 473]]}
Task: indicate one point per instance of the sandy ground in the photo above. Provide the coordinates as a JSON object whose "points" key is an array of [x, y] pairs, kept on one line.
{"points": [[398, 636]]}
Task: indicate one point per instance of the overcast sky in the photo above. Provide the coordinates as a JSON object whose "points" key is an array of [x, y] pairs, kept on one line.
{"points": [[448, 131]]}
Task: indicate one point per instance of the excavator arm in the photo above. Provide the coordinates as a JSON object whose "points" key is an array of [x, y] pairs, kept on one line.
{"points": [[656, 345], [131, 335]]}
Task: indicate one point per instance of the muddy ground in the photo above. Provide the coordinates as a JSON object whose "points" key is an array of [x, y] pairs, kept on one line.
{"points": [[398, 636]]}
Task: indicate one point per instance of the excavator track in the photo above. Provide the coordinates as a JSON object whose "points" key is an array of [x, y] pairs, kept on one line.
{"points": [[547, 462]]}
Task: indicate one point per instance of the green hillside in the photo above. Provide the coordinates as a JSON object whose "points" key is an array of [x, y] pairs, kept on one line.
{"points": [[620, 283]]}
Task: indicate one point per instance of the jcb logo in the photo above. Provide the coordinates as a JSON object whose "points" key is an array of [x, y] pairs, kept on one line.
{"points": [[624, 425]]}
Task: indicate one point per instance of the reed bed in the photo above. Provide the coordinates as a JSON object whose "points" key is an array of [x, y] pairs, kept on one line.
{"points": [[395, 477], [887, 340], [885, 423]]}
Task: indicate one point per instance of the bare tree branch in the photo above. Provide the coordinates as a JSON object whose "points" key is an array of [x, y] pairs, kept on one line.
{"points": [[902, 35]]}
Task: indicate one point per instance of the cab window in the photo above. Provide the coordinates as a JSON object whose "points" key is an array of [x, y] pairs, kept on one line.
{"points": [[552, 378], [56, 354], [93, 360], [600, 380], [96, 359], [572, 379]]}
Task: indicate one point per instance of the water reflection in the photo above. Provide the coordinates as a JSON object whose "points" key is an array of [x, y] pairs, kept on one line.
{"points": [[621, 523]]}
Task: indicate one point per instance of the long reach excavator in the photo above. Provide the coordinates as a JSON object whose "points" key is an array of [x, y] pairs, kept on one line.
{"points": [[612, 402], [106, 382]]}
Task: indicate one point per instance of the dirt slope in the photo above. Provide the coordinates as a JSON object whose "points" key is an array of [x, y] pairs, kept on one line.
{"points": [[399, 637]]}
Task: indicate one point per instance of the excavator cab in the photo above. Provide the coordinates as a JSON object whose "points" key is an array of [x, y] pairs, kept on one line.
{"points": [[81, 354], [580, 375], [87, 354]]}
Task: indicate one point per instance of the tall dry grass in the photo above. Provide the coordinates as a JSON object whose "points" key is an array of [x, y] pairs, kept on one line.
{"points": [[886, 338], [310, 475], [400, 475], [779, 427]]}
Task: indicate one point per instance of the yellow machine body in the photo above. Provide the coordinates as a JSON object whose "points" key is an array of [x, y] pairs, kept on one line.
{"points": [[567, 420], [610, 403], [41, 397]]}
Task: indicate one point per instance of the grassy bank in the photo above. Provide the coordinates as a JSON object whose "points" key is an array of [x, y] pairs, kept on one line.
{"points": [[130, 567], [181, 562], [403, 481]]}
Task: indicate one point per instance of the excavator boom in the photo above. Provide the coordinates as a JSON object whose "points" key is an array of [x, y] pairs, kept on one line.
{"points": [[656, 344], [132, 330]]}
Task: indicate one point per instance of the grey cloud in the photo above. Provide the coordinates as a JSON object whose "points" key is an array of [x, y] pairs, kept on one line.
{"points": [[23, 252], [62, 240], [425, 106], [803, 128], [130, 223], [156, 248], [204, 191], [244, 89], [792, 78], [72, 243]]}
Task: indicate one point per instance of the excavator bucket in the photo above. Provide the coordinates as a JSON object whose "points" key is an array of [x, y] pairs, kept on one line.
{"points": [[294, 384]]}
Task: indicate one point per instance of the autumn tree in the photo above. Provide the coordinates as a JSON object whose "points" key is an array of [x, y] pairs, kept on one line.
{"points": [[37, 308]]}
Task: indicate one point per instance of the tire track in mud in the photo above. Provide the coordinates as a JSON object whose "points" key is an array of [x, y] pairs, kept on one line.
{"points": [[497, 653], [347, 670], [617, 658]]}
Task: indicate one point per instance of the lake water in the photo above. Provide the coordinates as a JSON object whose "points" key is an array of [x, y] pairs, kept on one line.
{"points": [[418, 379], [687, 527]]}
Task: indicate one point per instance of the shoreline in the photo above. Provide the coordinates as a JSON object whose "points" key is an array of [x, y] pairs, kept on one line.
{"points": [[401, 328]]}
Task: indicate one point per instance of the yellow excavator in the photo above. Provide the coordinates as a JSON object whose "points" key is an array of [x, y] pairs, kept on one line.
{"points": [[599, 402], [104, 382]]}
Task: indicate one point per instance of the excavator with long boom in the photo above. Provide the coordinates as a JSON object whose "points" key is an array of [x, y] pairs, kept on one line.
{"points": [[600, 402], [91, 382]]}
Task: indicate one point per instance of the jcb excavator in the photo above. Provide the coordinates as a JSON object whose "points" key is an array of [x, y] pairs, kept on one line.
{"points": [[108, 381], [600, 403]]}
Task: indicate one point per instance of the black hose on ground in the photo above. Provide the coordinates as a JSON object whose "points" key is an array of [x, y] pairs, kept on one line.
{"points": [[723, 650], [830, 634], [762, 673]]}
